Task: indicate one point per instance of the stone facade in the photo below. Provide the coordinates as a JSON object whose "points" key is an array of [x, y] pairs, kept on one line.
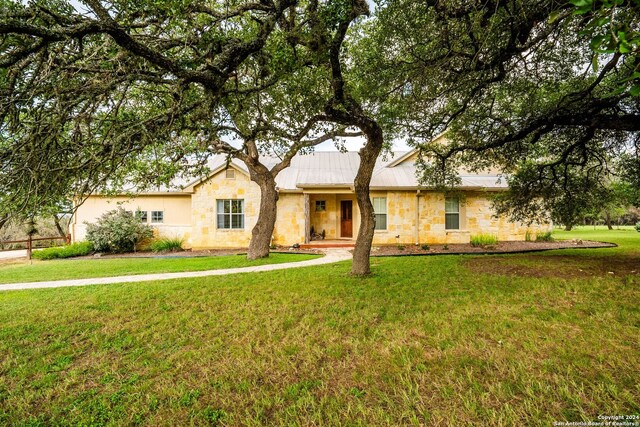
{"points": [[412, 216]]}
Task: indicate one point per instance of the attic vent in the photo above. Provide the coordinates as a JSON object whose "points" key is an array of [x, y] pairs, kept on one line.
{"points": [[231, 174]]}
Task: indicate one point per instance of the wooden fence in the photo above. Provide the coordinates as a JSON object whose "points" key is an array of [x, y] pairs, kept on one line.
{"points": [[29, 241]]}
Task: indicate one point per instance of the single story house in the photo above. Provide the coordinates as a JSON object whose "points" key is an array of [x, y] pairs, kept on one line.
{"points": [[316, 197]]}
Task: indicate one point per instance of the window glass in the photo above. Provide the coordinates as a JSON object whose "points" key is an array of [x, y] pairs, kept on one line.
{"points": [[230, 214], [452, 213], [157, 216], [380, 210], [142, 216]]}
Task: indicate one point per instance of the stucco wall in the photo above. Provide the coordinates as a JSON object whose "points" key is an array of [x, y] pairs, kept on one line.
{"points": [[176, 208]]}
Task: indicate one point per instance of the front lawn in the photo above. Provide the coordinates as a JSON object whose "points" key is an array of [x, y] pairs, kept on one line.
{"points": [[109, 267], [424, 341]]}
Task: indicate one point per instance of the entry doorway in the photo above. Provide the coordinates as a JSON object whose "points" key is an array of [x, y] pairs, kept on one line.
{"points": [[346, 218]]}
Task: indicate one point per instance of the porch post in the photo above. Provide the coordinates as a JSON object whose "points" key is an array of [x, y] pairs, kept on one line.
{"points": [[307, 219]]}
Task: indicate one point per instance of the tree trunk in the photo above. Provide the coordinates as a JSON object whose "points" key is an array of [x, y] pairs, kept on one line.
{"points": [[607, 219], [3, 220], [263, 230], [61, 232], [568, 227], [368, 156]]}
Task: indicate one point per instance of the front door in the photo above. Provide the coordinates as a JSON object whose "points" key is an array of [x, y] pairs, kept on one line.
{"points": [[346, 218]]}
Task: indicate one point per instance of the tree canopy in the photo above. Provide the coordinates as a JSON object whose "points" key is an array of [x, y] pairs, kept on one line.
{"points": [[546, 91]]}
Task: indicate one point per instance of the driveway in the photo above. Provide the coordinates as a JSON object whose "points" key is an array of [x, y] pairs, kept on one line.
{"points": [[21, 253]]}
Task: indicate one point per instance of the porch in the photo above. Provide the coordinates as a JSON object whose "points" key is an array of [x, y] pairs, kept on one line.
{"points": [[331, 218]]}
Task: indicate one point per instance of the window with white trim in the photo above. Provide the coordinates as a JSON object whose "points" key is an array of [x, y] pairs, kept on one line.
{"points": [[230, 213], [380, 210], [157, 216], [142, 216], [452, 213]]}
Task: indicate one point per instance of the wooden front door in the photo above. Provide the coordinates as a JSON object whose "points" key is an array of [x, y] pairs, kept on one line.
{"points": [[346, 218]]}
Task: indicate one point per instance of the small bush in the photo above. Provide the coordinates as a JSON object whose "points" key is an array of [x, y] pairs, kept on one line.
{"points": [[528, 236], [544, 237], [445, 247], [638, 227], [425, 247], [401, 247], [483, 240], [75, 249], [167, 245], [117, 231]]}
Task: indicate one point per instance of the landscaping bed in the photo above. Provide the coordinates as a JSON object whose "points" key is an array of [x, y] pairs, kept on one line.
{"points": [[188, 253], [500, 247]]}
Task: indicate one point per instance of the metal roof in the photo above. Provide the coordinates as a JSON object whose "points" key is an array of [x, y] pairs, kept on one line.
{"points": [[336, 169]]}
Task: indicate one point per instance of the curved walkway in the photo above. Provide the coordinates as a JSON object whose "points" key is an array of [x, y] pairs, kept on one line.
{"points": [[332, 255]]}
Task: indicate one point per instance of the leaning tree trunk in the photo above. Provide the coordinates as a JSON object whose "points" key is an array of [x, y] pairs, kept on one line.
{"points": [[56, 222], [368, 156], [607, 218], [3, 220], [263, 230]]}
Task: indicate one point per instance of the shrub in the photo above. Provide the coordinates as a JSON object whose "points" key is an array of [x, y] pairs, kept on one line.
{"points": [[445, 247], [401, 247], [528, 236], [483, 240], [544, 237], [117, 231], [167, 245], [638, 227], [425, 247], [75, 249]]}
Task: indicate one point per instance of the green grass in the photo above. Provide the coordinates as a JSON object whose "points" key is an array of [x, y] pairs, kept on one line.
{"points": [[483, 240], [424, 341], [108, 267]]}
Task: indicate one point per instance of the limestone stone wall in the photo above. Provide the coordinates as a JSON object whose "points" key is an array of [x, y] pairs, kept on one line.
{"points": [[328, 220], [194, 217], [205, 232], [476, 217], [289, 227]]}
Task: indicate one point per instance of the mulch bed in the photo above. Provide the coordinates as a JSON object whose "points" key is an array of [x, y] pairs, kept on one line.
{"points": [[199, 253], [499, 248]]}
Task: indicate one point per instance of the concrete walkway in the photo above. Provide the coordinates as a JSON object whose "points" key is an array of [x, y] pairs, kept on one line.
{"points": [[332, 255], [21, 253]]}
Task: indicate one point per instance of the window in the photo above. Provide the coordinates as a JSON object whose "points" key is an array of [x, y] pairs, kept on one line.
{"points": [[321, 205], [230, 173], [157, 216], [231, 214], [380, 209], [142, 215], [452, 213]]}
